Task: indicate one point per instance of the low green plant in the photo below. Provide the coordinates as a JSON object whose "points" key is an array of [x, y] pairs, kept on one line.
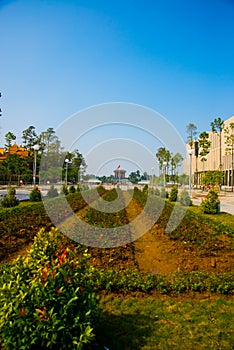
{"points": [[173, 194], [46, 298], [11, 191], [145, 189], [35, 195], [64, 190], [184, 198], [72, 189], [211, 204], [52, 192], [9, 200]]}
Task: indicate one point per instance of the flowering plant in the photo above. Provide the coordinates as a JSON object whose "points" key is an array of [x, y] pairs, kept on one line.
{"points": [[47, 298]]}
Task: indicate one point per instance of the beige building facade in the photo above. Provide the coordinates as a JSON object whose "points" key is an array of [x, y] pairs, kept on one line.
{"points": [[213, 158]]}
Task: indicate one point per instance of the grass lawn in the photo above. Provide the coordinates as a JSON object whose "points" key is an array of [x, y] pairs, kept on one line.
{"points": [[132, 323], [224, 218]]}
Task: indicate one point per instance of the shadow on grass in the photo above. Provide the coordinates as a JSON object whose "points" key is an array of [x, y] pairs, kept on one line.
{"points": [[122, 332]]}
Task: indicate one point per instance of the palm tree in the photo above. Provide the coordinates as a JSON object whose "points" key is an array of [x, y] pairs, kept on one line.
{"points": [[217, 127], [163, 155], [192, 132]]}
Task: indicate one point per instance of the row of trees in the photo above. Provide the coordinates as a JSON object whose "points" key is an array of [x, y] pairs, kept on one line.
{"points": [[169, 164], [14, 168], [204, 144]]}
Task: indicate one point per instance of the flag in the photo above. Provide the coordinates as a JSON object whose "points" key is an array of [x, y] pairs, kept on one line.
{"points": [[118, 167]]}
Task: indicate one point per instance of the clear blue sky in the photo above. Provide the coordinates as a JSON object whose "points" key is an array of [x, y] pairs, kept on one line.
{"points": [[58, 57]]}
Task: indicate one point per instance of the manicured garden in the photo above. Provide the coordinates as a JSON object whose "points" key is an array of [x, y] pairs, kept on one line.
{"points": [[62, 295]]}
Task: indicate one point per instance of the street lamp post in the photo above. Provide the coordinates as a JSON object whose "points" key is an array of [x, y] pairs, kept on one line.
{"points": [[66, 161], [164, 175], [190, 153], [82, 169], [152, 169], [36, 148]]}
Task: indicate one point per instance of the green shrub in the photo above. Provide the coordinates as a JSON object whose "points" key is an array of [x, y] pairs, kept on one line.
{"points": [[184, 198], [11, 191], [9, 200], [35, 195], [47, 299], [211, 204], [64, 190], [72, 189], [52, 192], [145, 189], [173, 194]]}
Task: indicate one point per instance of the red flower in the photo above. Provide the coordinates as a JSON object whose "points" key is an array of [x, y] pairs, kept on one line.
{"points": [[22, 312], [58, 290]]}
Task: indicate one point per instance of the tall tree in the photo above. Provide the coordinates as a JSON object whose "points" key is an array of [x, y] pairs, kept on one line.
{"points": [[176, 161], [163, 155], [217, 127], [29, 137], [192, 132], [229, 136], [9, 138], [204, 147], [14, 166], [47, 139]]}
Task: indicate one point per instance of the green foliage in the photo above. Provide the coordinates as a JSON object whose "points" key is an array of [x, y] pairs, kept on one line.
{"points": [[212, 178], [173, 194], [174, 283], [64, 189], [35, 195], [145, 189], [72, 189], [211, 204], [52, 192], [47, 299], [9, 200], [184, 198], [11, 191]]}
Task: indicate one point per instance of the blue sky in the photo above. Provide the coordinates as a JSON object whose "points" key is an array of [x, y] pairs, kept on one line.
{"points": [[59, 57]]}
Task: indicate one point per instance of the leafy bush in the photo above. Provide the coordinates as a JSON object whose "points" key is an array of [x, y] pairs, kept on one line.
{"points": [[184, 198], [11, 191], [9, 200], [52, 192], [145, 189], [46, 299], [173, 194], [64, 190], [35, 195], [72, 189], [211, 204]]}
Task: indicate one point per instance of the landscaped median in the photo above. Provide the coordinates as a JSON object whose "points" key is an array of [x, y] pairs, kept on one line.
{"points": [[62, 295]]}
